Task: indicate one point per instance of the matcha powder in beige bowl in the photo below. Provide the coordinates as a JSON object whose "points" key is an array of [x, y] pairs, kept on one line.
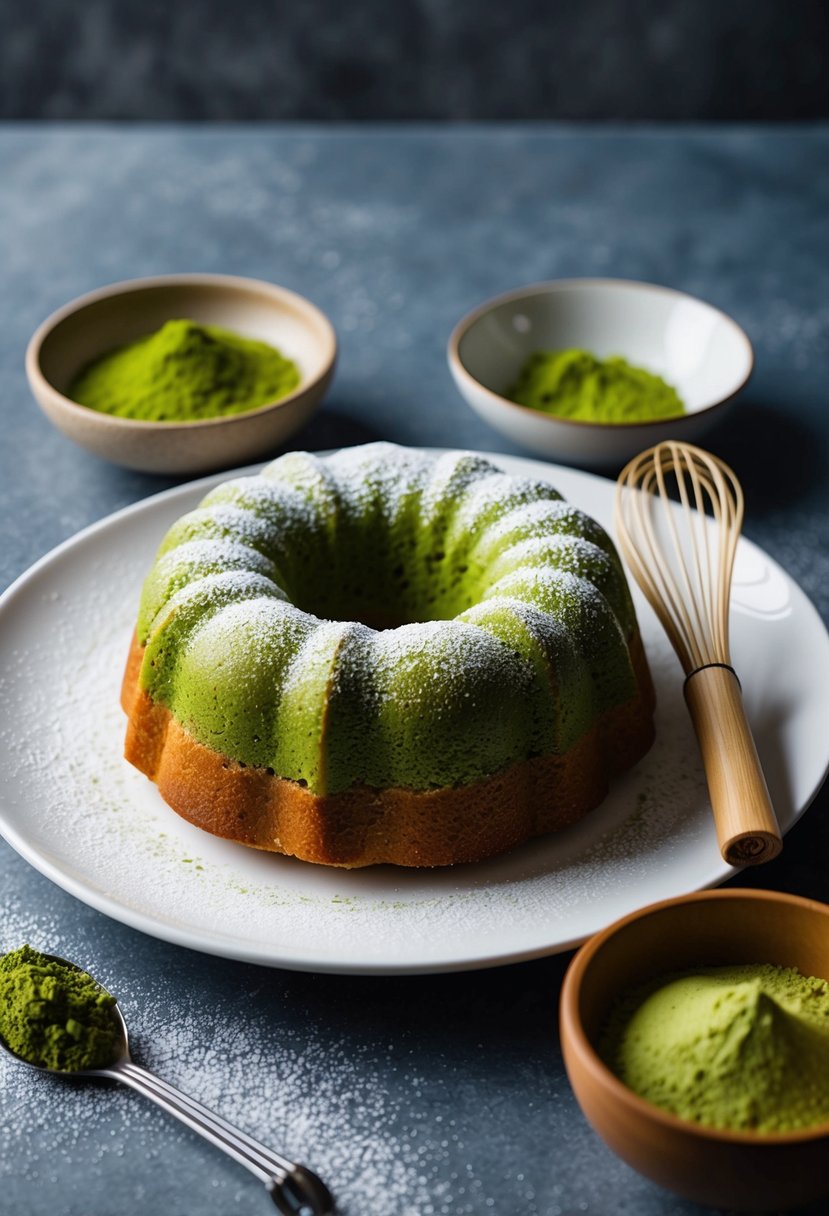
{"points": [[240, 364], [185, 372]]}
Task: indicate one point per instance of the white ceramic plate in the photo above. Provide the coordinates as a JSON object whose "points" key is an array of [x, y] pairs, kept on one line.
{"points": [[83, 817]]}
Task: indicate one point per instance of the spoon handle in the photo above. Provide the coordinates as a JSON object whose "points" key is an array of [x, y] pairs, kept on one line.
{"points": [[295, 1190]]}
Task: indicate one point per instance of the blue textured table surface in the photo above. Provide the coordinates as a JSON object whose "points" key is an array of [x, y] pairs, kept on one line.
{"points": [[425, 1095]]}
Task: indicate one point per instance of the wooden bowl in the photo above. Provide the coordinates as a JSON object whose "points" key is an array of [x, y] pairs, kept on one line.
{"points": [[739, 1170], [699, 350], [112, 316]]}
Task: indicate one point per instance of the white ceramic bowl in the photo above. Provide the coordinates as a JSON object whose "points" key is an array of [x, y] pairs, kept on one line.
{"points": [[698, 349], [112, 316]]}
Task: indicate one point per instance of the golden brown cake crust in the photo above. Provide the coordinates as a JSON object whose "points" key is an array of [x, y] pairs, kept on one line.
{"points": [[363, 826]]}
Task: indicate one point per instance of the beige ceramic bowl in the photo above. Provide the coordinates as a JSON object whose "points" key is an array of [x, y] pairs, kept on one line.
{"points": [[737, 1170], [95, 323], [698, 349]]}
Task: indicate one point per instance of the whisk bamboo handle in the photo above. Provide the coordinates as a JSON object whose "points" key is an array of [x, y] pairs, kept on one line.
{"points": [[747, 828]]}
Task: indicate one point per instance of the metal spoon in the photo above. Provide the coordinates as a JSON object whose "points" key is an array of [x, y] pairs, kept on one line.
{"points": [[295, 1190]]}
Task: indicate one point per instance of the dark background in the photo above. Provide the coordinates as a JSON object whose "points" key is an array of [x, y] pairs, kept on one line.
{"points": [[414, 59]]}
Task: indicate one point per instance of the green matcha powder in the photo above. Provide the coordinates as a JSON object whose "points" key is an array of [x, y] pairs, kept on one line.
{"points": [[185, 373], [743, 1047], [53, 1015], [575, 384]]}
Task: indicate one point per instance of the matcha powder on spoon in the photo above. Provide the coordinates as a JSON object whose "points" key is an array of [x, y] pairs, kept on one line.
{"points": [[185, 372], [54, 1015]]}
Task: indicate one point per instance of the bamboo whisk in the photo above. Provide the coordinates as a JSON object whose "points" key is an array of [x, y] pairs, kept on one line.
{"points": [[685, 571]]}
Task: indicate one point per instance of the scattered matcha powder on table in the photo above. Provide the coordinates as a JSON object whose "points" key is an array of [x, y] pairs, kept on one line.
{"points": [[185, 372], [53, 1015]]}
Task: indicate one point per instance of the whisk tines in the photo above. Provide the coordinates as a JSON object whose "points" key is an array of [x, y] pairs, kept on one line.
{"points": [[684, 570]]}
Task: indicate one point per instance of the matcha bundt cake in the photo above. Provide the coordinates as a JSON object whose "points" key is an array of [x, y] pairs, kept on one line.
{"points": [[385, 655]]}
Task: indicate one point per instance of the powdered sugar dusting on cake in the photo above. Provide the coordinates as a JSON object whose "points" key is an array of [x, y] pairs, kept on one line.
{"points": [[265, 495], [211, 593], [390, 465], [211, 555], [498, 494]]}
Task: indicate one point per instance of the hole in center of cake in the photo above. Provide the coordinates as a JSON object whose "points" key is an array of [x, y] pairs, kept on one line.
{"points": [[387, 588]]}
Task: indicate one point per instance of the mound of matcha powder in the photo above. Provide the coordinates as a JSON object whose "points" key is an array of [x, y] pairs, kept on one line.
{"points": [[185, 372], [743, 1047], [53, 1015], [575, 384]]}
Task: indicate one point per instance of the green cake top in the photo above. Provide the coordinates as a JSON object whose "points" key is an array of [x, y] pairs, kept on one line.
{"points": [[388, 616]]}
